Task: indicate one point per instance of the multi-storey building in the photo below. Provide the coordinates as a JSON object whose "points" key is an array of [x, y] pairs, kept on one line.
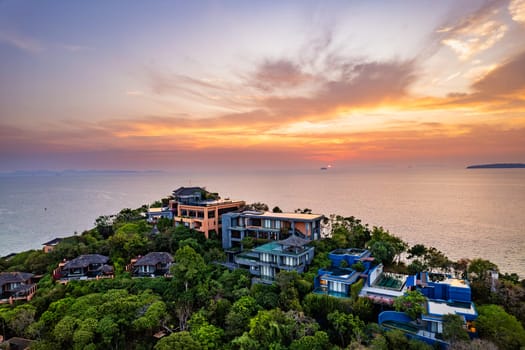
{"points": [[200, 210], [269, 226], [267, 260]]}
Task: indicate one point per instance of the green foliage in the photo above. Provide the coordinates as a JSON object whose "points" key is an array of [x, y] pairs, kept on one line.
{"points": [[355, 289], [220, 309], [417, 266], [209, 336], [19, 318], [412, 303], [318, 341], [347, 327], [478, 269], [384, 246], [239, 316], [349, 232], [417, 250], [396, 339], [500, 327], [180, 341], [453, 328], [189, 268]]}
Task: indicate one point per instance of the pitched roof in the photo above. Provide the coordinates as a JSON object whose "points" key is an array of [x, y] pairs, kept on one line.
{"points": [[86, 260], [187, 191], [54, 241], [10, 277], [294, 241], [154, 258]]}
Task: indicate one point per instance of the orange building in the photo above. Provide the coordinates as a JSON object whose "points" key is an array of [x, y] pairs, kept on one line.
{"points": [[200, 210]]}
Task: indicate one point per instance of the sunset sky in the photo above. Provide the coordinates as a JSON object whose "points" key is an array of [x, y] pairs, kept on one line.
{"points": [[260, 84]]}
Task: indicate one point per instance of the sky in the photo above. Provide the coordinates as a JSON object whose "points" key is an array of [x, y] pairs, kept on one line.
{"points": [[165, 85]]}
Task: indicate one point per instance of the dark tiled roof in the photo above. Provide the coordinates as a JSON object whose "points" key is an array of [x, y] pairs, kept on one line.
{"points": [[17, 343], [107, 269], [10, 277], [187, 191], [154, 258], [54, 241], [86, 260], [294, 241]]}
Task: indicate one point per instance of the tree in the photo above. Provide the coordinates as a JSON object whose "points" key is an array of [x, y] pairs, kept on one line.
{"points": [[269, 327], [384, 246], [318, 341], [240, 314], [189, 268], [347, 326], [500, 327], [276, 210], [209, 336], [417, 266], [396, 339], [412, 303], [453, 328], [180, 340], [478, 269], [417, 250], [437, 260], [257, 206]]}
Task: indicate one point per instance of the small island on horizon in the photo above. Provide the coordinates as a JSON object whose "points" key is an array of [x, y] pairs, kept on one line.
{"points": [[497, 166]]}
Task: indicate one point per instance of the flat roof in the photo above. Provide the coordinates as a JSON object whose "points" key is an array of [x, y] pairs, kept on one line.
{"points": [[443, 308], [276, 248], [296, 216], [201, 204], [455, 282]]}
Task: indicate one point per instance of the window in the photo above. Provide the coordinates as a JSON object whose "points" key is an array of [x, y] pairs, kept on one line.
{"points": [[337, 287]]}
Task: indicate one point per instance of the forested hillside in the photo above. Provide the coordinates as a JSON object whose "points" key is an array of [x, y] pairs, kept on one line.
{"points": [[204, 305]]}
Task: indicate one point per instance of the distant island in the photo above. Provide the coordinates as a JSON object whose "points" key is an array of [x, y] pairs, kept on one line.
{"points": [[497, 166]]}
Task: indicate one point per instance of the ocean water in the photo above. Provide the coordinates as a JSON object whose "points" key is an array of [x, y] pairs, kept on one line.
{"points": [[464, 213]]}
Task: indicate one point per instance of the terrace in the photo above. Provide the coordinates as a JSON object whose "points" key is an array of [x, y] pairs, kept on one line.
{"points": [[390, 281], [383, 287]]}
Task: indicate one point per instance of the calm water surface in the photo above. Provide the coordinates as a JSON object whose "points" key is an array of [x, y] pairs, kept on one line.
{"points": [[464, 213]]}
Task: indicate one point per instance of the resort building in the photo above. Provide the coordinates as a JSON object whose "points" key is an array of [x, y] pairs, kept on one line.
{"points": [[16, 286], [50, 246], [200, 210], [383, 287], [337, 279], [446, 295], [84, 267], [266, 261], [154, 214], [269, 226], [153, 264]]}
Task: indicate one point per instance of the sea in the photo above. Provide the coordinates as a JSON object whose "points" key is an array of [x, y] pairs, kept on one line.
{"points": [[465, 213]]}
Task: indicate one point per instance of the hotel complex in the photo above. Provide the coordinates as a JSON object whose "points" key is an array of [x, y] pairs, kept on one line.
{"points": [[266, 243]]}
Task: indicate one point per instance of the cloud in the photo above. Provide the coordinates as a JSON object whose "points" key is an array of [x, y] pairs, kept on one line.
{"points": [[474, 33], [21, 42], [506, 79], [280, 73], [517, 10]]}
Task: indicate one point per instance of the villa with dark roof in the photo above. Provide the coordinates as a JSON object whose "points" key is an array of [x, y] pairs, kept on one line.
{"points": [[50, 245], [153, 264], [84, 267], [16, 286]]}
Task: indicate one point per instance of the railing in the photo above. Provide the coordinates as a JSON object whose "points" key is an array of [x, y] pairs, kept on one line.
{"points": [[25, 295]]}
